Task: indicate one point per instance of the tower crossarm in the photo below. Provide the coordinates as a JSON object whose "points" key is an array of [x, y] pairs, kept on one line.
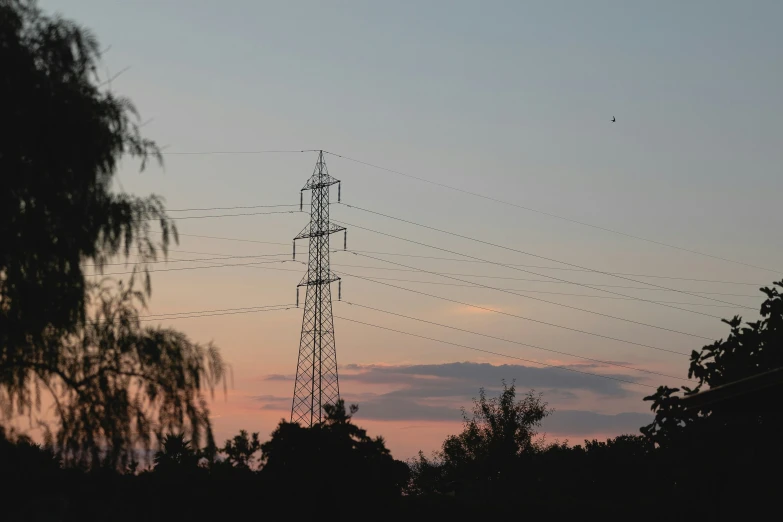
{"points": [[320, 181], [313, 230], [331, 277]]}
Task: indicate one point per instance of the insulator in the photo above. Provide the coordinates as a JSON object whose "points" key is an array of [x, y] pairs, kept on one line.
{"points": [[301, 200], [345, 239], [338, 191], [294, 250], [297, 297], [339, 290]]}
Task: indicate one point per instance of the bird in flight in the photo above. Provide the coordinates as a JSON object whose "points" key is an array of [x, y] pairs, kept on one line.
{"points": [[613, 120]]}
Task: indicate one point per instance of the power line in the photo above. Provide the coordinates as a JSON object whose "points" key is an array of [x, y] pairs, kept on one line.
{"points": [[241, 265], [433, 273], [231, 208], [471, 285], [508, 314], [155, 316], [230, 256], [543, 275], [228, 239], [542, 291], [201, 267], [482, 196], [544, 281], [497, 353], [177, 250], [214, 153], [267, 309], [255, 265], [226, 311], [233, 215], [608, 363], [239, 311], [557, 268], [546, 301], [435, 257], [112, 78], [493, 263], [489, 262], [613, 231], [525, 253], [171, 260]]}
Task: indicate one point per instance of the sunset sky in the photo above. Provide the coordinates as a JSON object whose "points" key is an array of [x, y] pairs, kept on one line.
{"points": [[512, 100]]}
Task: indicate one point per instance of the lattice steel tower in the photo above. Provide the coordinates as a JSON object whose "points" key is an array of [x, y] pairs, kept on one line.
{"points": [[316, 370]]}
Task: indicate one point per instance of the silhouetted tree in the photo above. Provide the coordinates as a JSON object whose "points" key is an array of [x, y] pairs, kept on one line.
{"points": [[241, 449], [718, 453], [485, 458], [113, 382], [31, 477], [607, 478], [176, 453], [747, 351], [22, 459], [334, 457]]}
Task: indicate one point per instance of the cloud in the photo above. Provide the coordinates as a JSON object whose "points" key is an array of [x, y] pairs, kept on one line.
{"points": [[456, 378], [389, 407], [273, 402], [436, 393], [589, 365], [566, 422], [278, 377]]}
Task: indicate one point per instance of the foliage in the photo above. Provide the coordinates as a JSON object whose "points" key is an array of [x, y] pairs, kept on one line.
{"points": [[114, 384], [332, 456], [748, 350], [176, 453], [241, 449], [179, 458], [23, 458], [498, 437], [500, 428], [723, 451]]}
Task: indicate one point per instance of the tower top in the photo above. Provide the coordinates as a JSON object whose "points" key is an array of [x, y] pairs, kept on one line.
{"points": [[320, 177]]}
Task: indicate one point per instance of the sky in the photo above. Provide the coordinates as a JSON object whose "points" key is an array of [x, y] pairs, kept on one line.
{"points": [[512, 100]]}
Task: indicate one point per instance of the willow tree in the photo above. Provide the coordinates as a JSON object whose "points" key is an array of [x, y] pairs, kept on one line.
{"points": [[113, 383]]}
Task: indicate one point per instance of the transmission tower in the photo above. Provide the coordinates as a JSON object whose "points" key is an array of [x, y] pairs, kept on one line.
{"points": [[316, 370]]}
